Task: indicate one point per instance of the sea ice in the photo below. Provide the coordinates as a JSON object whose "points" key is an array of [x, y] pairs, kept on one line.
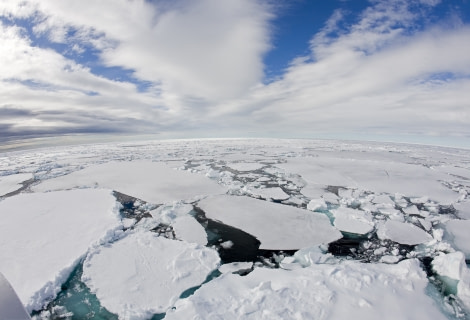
{"points": [[317, 205], [275, 193], [44, 235], [245, 166], [463, 210], [277, 226], [153, 182], [458, 233], [143, 274], [349, 290], [235, 267], [13, 182], [402, 232], [188, 229], [353, 220]]}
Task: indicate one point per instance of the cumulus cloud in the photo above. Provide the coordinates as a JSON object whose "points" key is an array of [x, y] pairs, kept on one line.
{"points": [[195, 67]]}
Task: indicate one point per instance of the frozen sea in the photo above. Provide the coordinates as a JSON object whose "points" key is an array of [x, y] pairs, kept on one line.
{"points": [[237, 229]]}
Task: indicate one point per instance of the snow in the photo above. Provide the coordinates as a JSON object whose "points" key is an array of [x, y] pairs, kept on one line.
{"points": [[153, 182], [463, 210], [143, 274], [43, 236], [13, 182], [188, 229], [457, 232], [275, 193], [245, 166], [377, 175], [277, 226], [349, 290], [402, 232], [235, 267], [317, 205], [353, 220]]}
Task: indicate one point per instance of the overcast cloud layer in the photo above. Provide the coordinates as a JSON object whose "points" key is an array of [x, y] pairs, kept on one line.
{"points": [[190, 68]]}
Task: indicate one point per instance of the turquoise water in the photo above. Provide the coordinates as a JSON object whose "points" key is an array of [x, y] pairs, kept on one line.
{"points": [[76, 302]]}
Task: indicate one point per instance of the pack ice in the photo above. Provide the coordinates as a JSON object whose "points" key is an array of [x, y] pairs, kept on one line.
{"points": [[381, 230]]}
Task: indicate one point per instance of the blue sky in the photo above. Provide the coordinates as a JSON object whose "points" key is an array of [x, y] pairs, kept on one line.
{"points": [[377, 70]]}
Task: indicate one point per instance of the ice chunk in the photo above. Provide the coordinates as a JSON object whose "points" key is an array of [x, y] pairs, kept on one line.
{"points": [[451, 265], [313, 255], [13, 182], [457, 232], [317, 205], [153, 182], [277, 226], [463, 210], [275, 193], [235, 267], [188, 229], [144, 274], [403, 233], [353, 220], [43, 236], [383, 199], [350, 290], [245, 166]]}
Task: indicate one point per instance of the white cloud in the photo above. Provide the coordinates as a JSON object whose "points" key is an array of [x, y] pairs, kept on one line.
{"points": [[382, 74]]}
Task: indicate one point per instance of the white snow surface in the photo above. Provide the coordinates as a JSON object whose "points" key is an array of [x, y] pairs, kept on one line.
{"points": [[154, 182], [188, 229], [143, 274], [245, 166], [13, 182], [353, 220], [458, 233], [379, 176], [350, 290], [402, 232], [275, 193], [277, 226], [43, 236]]}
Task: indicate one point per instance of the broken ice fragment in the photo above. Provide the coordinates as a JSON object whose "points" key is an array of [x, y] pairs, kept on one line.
{"points": [[403, 233], [353, 220]]}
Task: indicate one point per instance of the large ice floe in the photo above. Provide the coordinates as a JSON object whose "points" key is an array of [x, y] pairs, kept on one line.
{"points": [[277, 226], [237, 229], [149, 273], [43, 236]]}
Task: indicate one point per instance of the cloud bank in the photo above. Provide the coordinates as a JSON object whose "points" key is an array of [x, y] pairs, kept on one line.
{"points": [[195, 68]]}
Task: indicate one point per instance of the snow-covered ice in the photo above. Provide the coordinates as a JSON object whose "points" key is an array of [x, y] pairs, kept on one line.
{"points": [[458, 233], [277, 226], [402, 196], [402, 232], [13, 182], [349, 290], [153, 182], [143, 274], [43, 236], [353, 220]]}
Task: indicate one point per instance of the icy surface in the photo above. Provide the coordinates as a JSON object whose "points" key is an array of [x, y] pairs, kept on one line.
{"points": [[43, 235], [403, 233], [188, 229], [399, 194], [144, 274], [13, 182], [277, 226], [349, 290], [353, 220], [150, 181], [458, 233]]}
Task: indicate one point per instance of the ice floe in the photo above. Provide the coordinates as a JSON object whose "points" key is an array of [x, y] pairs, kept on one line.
{"points": [[349, 290], [277, 226], [143, 274], [353, 220], [13, 182], [153, 182], [43, 236], [458, 233], [402, 232]]}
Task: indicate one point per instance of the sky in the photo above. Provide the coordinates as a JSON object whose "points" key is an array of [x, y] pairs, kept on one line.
{"points": [[390, 70]]}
